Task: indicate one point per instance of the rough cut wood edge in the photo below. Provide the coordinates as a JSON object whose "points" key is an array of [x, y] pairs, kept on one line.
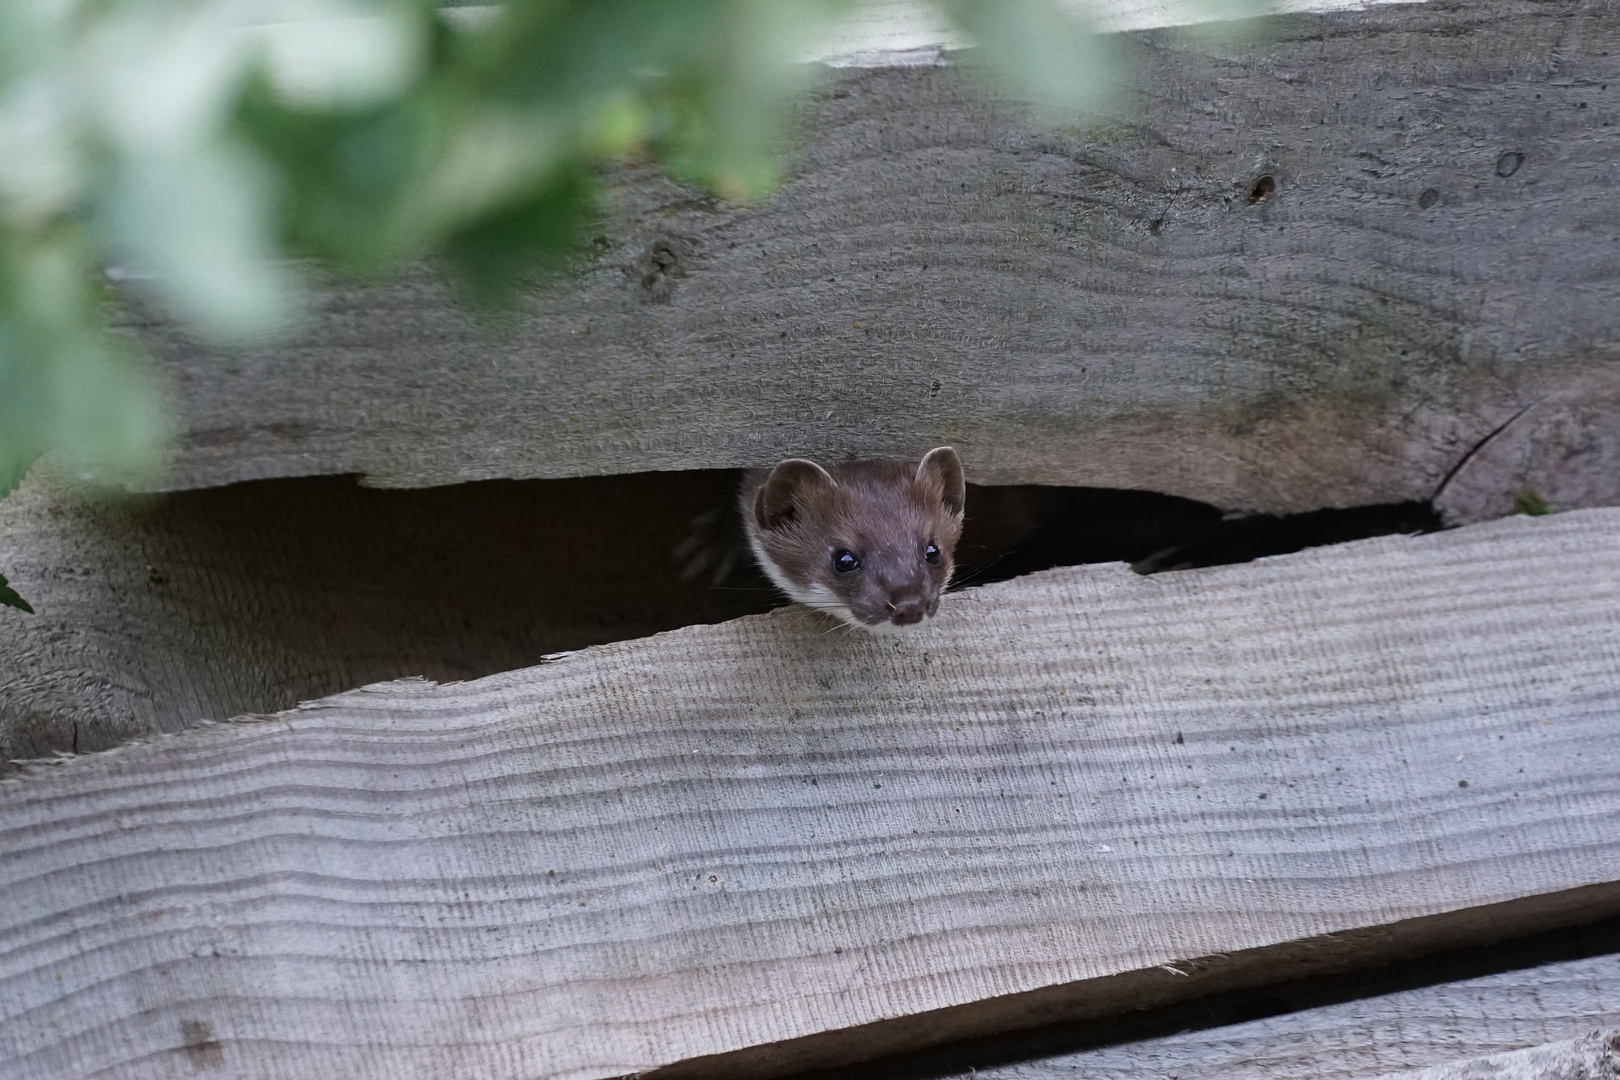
{"points": [[1452, 1007], [904, 33], [1096, 304], [1595, 1057], [731, 836], [1182, 979]]}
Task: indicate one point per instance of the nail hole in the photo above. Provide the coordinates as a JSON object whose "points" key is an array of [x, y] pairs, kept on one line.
{"points": [[1429, 197], [1264, 188], [1509, 163]]}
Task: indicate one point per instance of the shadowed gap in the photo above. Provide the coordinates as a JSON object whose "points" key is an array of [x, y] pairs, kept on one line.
{"points": [[962, 1059], [306, 587], [1019, 530], [466, 580]]}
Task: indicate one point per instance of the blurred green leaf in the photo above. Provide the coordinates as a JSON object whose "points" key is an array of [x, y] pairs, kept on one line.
{"points": [[197, 227], [68, 386], [341, 174], [200, 149], [1049, 52], [530, 238]]}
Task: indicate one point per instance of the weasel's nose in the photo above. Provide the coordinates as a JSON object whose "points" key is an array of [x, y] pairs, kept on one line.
{"points": [[907, 612]]}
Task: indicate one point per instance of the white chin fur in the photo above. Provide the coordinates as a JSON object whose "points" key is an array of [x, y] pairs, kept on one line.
{"points": [[822, 599], [817, 596]]}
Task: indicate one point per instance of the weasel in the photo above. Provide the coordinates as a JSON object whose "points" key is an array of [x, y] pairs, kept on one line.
{"points": [[870, 542]]}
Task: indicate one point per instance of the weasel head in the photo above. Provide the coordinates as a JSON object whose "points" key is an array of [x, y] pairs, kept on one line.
{"points": [[872, 542]]}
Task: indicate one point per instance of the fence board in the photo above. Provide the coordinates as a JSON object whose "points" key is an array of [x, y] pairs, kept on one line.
{"points": [[765, 844], [1361, 1032], [1594, 1057], [1096, 303]]}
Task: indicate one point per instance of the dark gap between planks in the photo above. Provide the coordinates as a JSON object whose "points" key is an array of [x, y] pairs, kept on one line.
{"points": [[462, 581], [954, 1060]]}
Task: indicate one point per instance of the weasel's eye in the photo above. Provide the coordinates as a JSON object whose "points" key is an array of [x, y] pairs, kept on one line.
{"points": [[845, 562], [931, 553]]}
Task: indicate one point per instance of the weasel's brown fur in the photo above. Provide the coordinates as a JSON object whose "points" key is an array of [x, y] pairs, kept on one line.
{"points": [[896, 521]]}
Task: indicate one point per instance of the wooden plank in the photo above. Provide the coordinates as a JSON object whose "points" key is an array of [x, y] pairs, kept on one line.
{"points": [[1099, 304], [1594, 1057], [763, 845], [1419, 1013]]}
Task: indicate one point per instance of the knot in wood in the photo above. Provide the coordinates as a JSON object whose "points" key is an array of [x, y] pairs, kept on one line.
{"points": [[661, 262]]}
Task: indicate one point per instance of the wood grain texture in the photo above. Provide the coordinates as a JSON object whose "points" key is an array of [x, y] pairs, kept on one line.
{"points": [[1368, 1036], [1078, 791], [1093, 304], [1594, 1057]]}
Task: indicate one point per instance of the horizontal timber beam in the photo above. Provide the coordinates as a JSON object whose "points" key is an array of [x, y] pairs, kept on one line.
{"points": [[761, 845], [1318, 265], [1592, 1057], [1432, 1009]]}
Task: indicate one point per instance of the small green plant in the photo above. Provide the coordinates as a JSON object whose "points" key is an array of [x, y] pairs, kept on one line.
{"points": [[1527, 501]]}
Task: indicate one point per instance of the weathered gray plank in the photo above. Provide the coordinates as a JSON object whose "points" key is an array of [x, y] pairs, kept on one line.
{"points": [[1097, 304], [1360, 1039], [1594, 1057], [1077, 792]]}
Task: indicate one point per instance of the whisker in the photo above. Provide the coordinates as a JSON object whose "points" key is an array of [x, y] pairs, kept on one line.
{"points": [[978, 572]]}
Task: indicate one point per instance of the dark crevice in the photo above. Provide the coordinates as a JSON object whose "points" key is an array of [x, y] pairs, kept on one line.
{"points": [[1018, 530], [959, 1059], [307, 587], [460, 581]]}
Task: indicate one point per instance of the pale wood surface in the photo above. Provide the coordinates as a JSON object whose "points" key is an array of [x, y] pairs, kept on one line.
{"points": [[1359, 1039], [1079, 791], [1594, 1057], [1094, 303]]}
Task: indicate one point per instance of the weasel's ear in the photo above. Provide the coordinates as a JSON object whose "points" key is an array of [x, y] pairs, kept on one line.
{"points": [[789, 484], [941, 466]]}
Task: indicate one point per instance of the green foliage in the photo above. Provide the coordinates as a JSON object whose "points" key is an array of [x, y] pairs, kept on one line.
{"points": [[202, 151], [66, 384], [1528, 501], [1044, 52], [199, 149]]}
